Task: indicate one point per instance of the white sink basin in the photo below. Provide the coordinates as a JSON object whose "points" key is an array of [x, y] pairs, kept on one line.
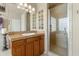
{"points": [[28, 34]]}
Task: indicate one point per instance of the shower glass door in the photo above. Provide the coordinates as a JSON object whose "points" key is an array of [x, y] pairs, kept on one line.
{"points": [[59, 30]]}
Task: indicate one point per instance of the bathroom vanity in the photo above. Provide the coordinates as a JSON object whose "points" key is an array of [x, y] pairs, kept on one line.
{"points": [[27, 44]]}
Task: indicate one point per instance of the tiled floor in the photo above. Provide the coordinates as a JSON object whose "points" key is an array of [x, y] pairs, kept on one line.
{"points": [[59, 50], [5, 53], [8, 53]]}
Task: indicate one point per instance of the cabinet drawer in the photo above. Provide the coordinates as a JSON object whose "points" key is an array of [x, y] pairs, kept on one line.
{"points": [[33, 39], [18, 42]]}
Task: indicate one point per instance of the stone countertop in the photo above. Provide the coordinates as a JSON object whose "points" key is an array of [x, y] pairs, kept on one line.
{"points": [[19, 36]]}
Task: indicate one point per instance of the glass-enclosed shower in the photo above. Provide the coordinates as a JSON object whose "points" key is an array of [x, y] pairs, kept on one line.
{"points": [[59, 29]]}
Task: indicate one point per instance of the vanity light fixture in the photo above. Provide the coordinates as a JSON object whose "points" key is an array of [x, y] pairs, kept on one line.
{"points": [[29, 6], [26, 7], [21, 4]]}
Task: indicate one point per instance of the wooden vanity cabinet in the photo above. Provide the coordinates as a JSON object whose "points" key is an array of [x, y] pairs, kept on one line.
{"points": [[33, 46], [36, 46], [41, 41], [18, 48], [29, 47]]}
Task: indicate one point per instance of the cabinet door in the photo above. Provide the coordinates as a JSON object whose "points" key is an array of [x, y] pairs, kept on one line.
{"points": [[36, 46], [18, 48], [18, 51], [41, 45], [29, 47]]}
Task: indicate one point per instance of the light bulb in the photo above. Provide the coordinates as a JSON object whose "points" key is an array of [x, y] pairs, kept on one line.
{"points": [[33, 9], [18, 7], [29, 7], [25, 5]]}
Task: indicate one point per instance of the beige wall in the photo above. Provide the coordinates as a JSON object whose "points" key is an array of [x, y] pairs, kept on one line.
{"points": [[75, 28]]}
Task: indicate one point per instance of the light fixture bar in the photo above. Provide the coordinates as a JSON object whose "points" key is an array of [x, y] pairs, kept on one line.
{"points": [[26, 7]]}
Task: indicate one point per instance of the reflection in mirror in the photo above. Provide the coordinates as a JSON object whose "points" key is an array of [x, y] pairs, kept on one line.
{"points": [[19, 19]]}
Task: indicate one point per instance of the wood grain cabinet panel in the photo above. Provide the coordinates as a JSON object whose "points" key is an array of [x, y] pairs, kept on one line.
{"points": [[29, 47], [33, 46], [36, 47], [41, 45], [19, 48], [18, 51]]}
